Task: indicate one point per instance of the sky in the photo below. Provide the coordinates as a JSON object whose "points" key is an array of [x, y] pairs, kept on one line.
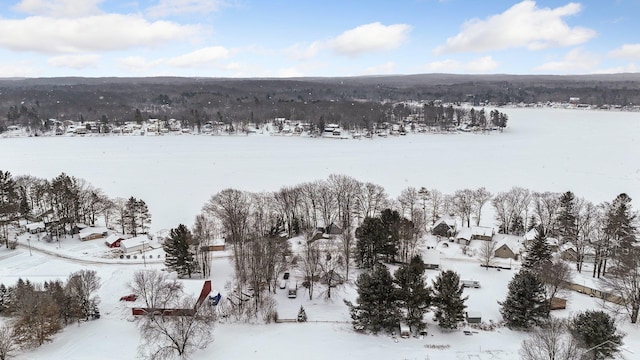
{"points": [[302, 38]]}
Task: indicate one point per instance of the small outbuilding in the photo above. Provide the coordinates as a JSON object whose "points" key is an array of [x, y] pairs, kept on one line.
{"points": [[473, 317], [431, 259], [134, 244], [113, 241]]}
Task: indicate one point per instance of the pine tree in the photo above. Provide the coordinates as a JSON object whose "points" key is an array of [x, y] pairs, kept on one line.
{"points": [[567, 220], [179, 257], [619, 225], [447, 297], [377, 307], [413, 293], [538, 252], [596, 330], [525, 305]]}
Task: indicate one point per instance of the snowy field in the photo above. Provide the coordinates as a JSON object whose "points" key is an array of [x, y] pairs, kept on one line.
{"points": [[592, 153]]}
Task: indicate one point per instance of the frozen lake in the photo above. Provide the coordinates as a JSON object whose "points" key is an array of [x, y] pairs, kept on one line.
{"points": [[592, 153]]}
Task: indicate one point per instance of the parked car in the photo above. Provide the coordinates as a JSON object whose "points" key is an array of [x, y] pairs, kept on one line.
{"points": [[286, 276], [130, 297], [283, 284]]}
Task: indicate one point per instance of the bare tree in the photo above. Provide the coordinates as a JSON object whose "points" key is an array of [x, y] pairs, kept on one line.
{"points": [[556, 277], [348, 243], [488, 253], [372, 200], [480, 197], [551, 342], [172, 337], [8, 345], [81, 286], [346, 190], [155, 288], [435, 205], [588, 221], [310, 263], [546, 206], [203, 232], [510, 206], [327, 203], [331, 265], [623, 283], [463, 202]]}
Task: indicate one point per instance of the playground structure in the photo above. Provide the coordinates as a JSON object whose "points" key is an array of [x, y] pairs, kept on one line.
{"points": [[204, 293]]}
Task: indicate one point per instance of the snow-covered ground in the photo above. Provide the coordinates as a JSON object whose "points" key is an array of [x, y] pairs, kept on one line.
{"points": [[592, 153]]}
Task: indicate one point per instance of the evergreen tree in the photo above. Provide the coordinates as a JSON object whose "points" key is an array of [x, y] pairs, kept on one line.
{"points": [[9, 203], [391, 221], [533, 223], [567, 220], [447, 297], [179, 257], [596, 330], [619, 225], [538, 252], [517, 225], [371, 237], [377, 307], [526, 304], [413, 293]]}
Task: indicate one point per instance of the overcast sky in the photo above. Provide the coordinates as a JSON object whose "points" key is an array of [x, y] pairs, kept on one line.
{"points": [[291, 38]]}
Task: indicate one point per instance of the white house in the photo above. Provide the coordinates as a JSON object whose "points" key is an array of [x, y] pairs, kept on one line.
{"points": [[138, 243], [431, 259]]}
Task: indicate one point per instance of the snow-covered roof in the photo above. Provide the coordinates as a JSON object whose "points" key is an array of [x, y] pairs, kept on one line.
{"points": [[482, 231], [112, 239], [514, 242], [464, 233], [86, 232], [134, 241], [447, 219], [33, 226], [531, 234]]}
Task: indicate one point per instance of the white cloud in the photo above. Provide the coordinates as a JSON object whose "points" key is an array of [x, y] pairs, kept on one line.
{"points": [[89, 34], [629, 68], [480, 65], [74, 61], [174, 7], [575, 61], [202, 57], [522, 25], [136, 64], [627, 51], [369, 38], [303, 51], [59, 8], [386, 68]]}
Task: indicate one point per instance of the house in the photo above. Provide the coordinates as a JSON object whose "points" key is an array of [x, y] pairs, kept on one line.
{"points": [[134, 244], [217, 245], [508, 246], [482, 233], [333, 229], [35, 228], [432, 259], [92, 233], [464, 236], [445, 226], [113, 241], [331, 277]]}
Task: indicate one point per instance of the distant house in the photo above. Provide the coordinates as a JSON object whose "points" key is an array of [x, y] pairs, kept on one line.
{"points": [[134, 244], [508, 246], [91, 233], [482, 233], [445, 226], [431, 259], [113, 241], [35, 228], [218, 245], [333, 229]]}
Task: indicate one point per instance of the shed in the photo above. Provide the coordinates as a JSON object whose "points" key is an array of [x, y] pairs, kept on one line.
{"points": [[505, 252], [35, 228], [473, 317], [134, 244], [558, 303], [432, 259], [405, 330], [113, 241], [91, 233]]}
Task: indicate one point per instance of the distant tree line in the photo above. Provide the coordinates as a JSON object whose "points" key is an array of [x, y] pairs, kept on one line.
{"points": [[64, 202]]}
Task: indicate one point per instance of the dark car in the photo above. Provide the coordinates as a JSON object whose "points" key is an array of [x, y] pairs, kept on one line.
{"points": [[130, 297], [286, 276]]}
